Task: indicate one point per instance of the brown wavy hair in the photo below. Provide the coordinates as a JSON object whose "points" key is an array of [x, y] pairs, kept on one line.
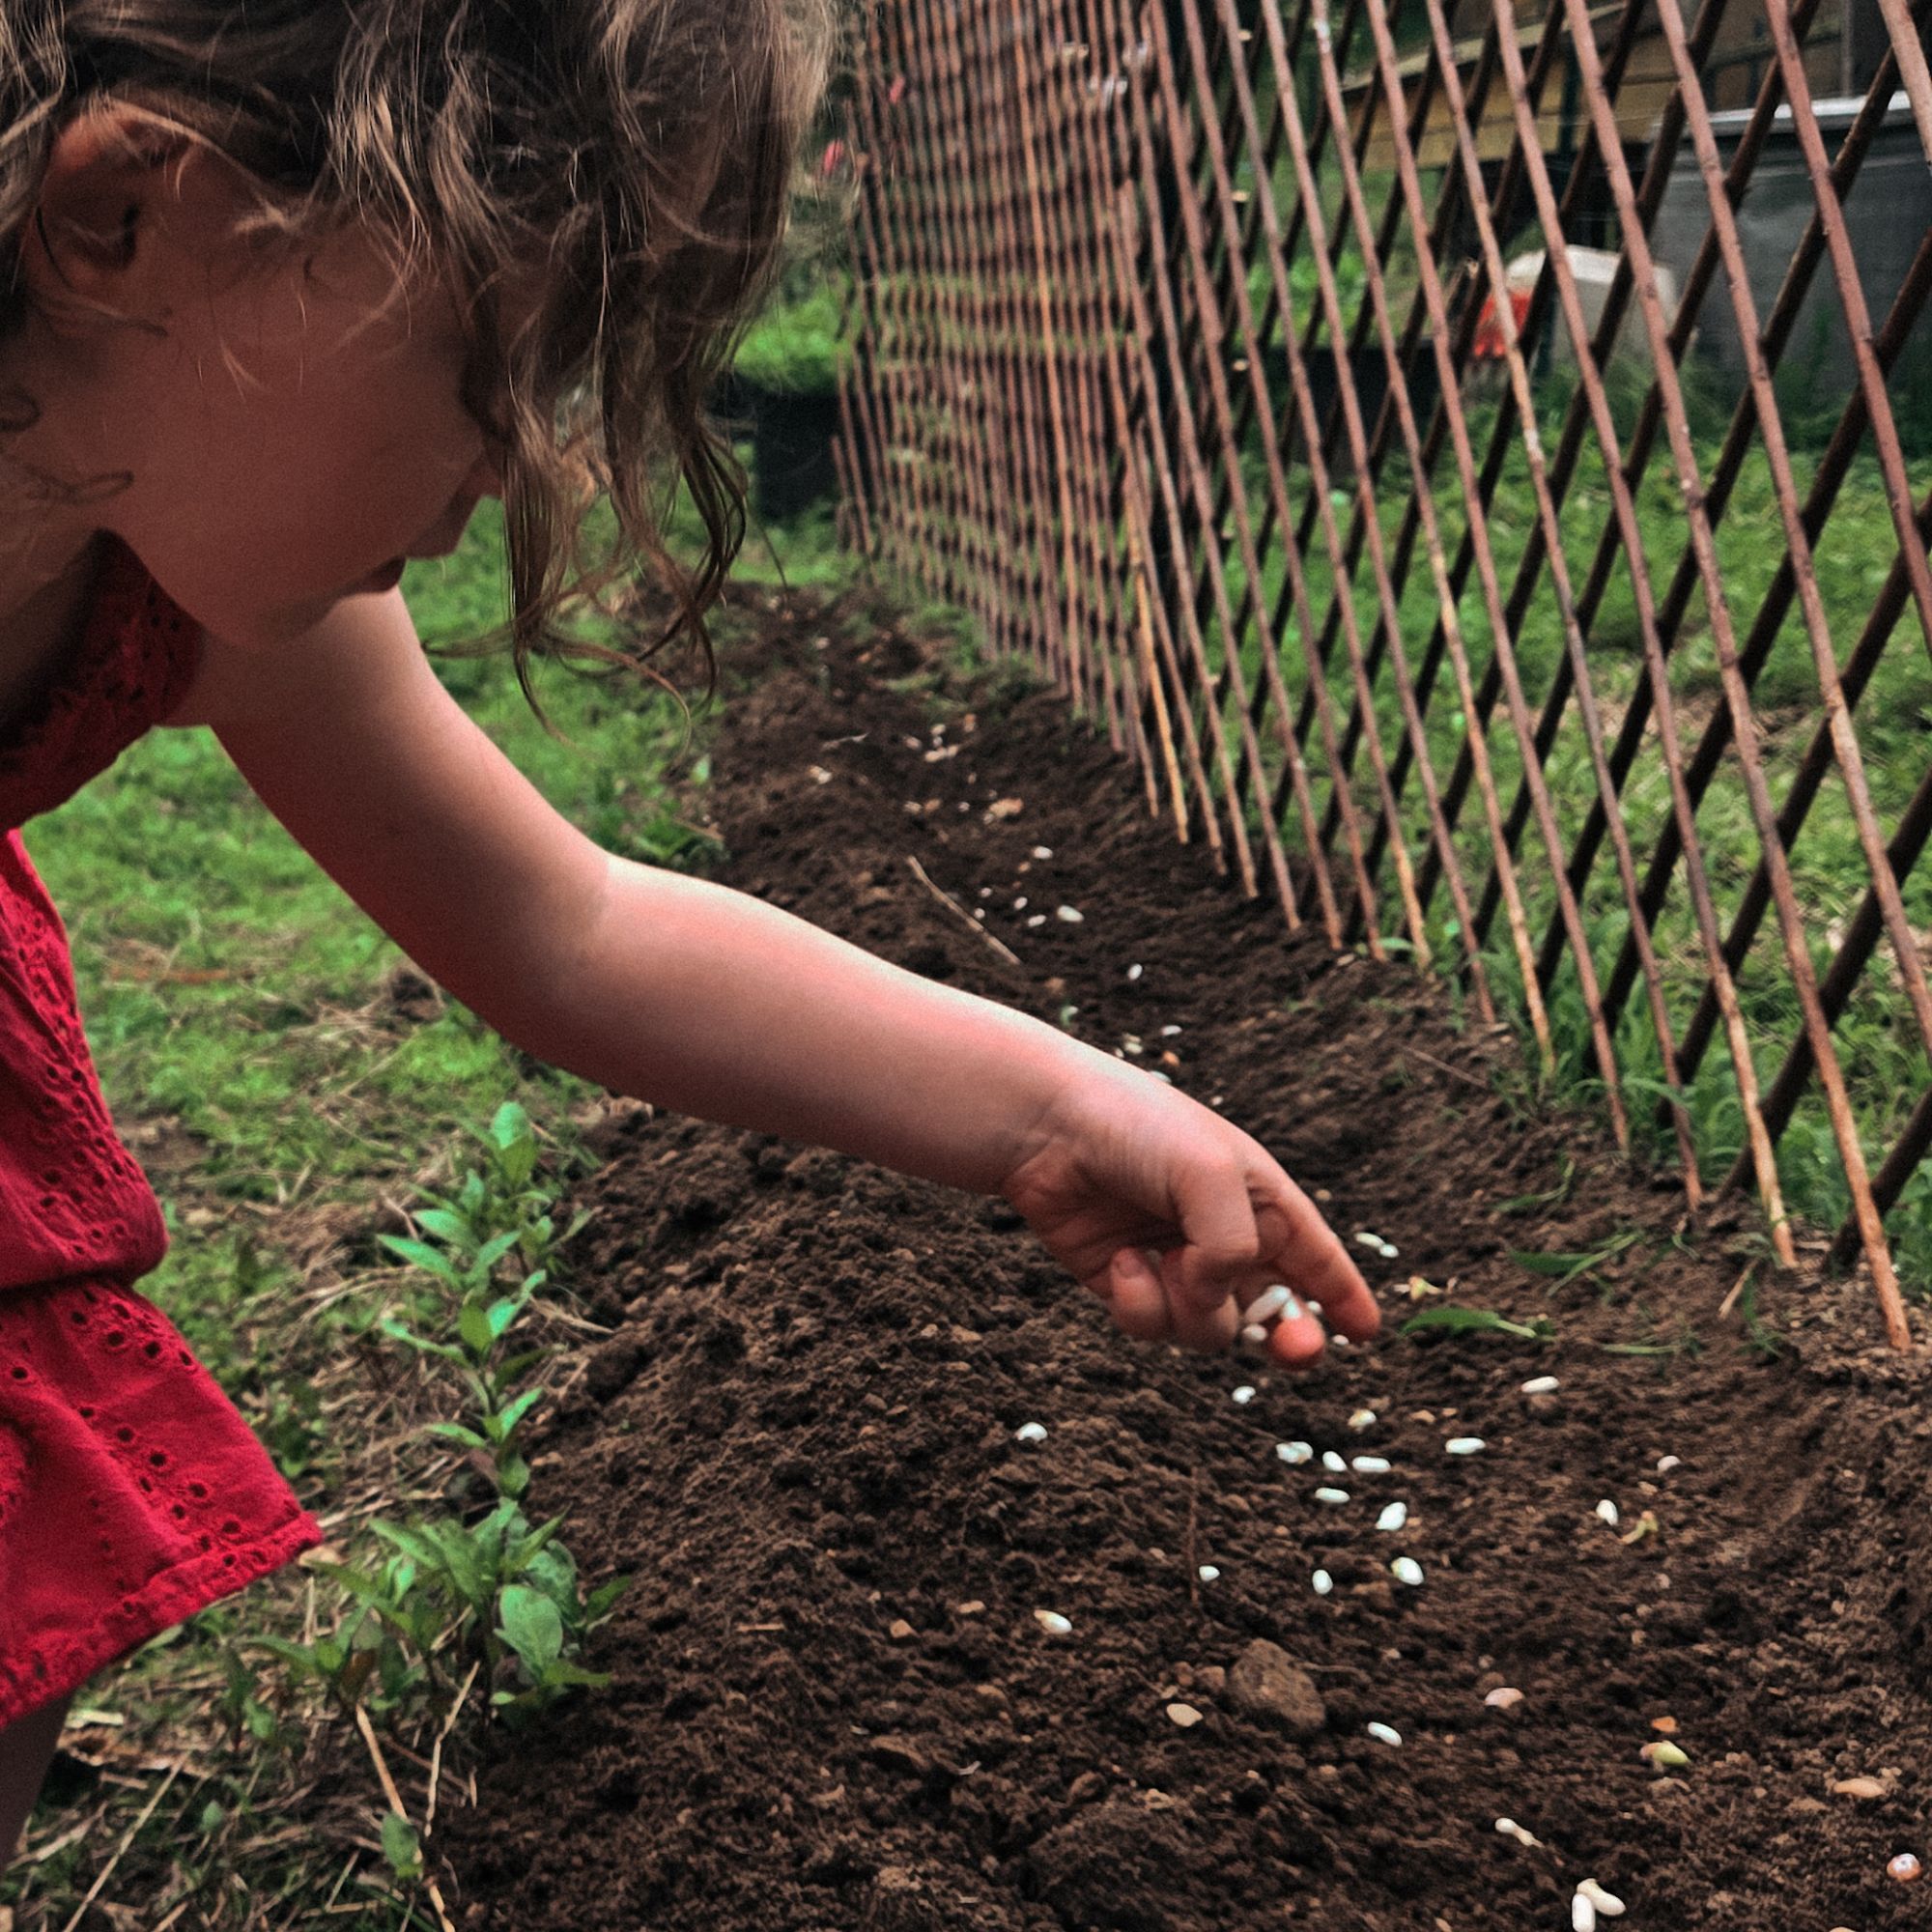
{"points": [[636, 154]]}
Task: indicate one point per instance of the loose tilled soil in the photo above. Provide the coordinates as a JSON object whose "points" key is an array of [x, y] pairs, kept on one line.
{"points": [[833, 1705]]}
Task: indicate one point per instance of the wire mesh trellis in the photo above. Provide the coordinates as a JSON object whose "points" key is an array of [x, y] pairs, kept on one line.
{"points": [[1463, 454]]}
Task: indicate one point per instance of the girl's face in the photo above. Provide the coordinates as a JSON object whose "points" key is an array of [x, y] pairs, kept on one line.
{"points": [[289, 431]]}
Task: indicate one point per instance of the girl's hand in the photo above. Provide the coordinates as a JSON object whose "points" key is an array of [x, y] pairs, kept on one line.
{"points": [[1178, 1220]]}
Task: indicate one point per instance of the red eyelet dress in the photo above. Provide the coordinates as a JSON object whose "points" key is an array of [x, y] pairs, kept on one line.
{"points": [[132, 1492]]}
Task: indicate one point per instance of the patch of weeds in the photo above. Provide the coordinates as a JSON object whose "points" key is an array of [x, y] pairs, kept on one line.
{"points": [[1567, 1267], [1454, 1319]]}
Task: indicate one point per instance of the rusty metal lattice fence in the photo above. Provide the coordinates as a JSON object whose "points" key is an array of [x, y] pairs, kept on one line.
{"points": [[1463, 455]]}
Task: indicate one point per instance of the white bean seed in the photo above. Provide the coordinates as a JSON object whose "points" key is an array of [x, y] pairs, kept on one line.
{"points": [[1370, 1465], [1608, 1905], [1406, 1570], [1322, 1582], [1608, 1510], [1296, 1452], [1363, 1418], [1183, 1714], [1387, 1734], [1367, 1239], [1267, 1304], [1042, 852], [1666, 1464], [1254, 1336], [1036, 919], [1052, 1623], [1509, 1829], [1904, 1868], [1393, 1518], [1334, 1496], [1505, 1697], [1031, 1431], [1245, 1393], [1464, 1445], [1209, 1574], [1583, 1915], [1541, 1385], [1068, 915], [1333, 1463], [1388, 1251], [1134, 972]]}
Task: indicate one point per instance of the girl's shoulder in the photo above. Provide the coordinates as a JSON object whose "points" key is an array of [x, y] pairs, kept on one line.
{"points": [[127, 662]]}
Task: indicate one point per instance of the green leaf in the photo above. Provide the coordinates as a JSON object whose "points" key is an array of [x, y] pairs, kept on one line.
{"points": [[501, 1315], [492, 1252], [571, 1674], [532, 1628], [401, 1845], [412, 1542], [521, 1407], [397, 1332], [430, 1259], [445, 1226], [475, 1326], [1455, 1321], [455, 1431], [524, 1553], [597, 1605]]}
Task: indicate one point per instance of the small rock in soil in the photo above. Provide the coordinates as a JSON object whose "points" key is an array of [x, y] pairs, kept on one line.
{"points": [[1266, 1683]]}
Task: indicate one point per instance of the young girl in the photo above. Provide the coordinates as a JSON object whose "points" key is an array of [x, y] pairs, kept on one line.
{"points": [[285, 291]]}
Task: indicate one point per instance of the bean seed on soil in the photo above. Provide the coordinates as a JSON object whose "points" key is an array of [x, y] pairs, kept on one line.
{"points": [[1068, 915], [1321, 1582], [1367, 1239], [1245, 1394], [1387, 1734], [1608, 1511], [1608, 1905], [1505, 1697], [1184, 1715], [1393, 1518], [1363, 1418], [1042, 851], [1904, 1868], [1406, 1570], [1666, 1464], [1052, 1623], [1664, 1756], [1509, 1829], [1333, 1497], [1254, 1336], [1370, 1465], [1134, 972], [1031, 1431], [1333, 1463], [1465, 1446], [1294, 1452], [1541, 1385], [1169, 1032], [1583, 1915], [1209, 1574]]}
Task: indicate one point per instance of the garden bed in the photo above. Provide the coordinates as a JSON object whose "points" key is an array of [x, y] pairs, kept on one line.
{"points": [[833, 1705]]}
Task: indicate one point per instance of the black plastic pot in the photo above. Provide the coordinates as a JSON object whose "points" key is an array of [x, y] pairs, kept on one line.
{"points": [[791, 437]]}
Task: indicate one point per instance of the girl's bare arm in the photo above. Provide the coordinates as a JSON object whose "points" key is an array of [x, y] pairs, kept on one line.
{"points": [[704, 1000]]}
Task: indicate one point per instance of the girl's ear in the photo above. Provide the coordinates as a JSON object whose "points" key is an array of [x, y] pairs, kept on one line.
{"points": [[88, 245]]}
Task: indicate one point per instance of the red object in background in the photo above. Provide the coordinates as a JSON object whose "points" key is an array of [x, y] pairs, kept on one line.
{"points": [[1488, 345], [832, 161]]}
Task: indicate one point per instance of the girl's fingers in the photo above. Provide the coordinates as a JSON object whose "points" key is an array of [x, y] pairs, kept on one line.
{"points": [[1134, 1296], [1298, 1243], [1208, 1329], [1297, 1338]]}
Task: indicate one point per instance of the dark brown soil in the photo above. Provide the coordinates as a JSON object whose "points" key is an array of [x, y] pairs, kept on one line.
{"points": [[833, 1705]]}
